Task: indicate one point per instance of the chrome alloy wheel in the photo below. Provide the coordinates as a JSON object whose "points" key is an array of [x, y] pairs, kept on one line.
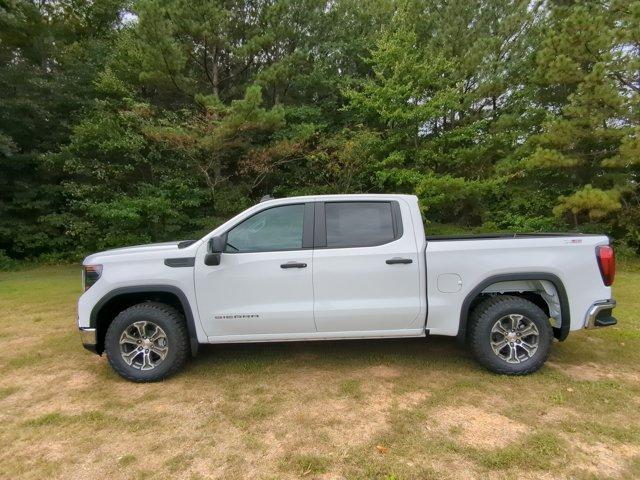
{"points": [[514, 338], [143, 345]]}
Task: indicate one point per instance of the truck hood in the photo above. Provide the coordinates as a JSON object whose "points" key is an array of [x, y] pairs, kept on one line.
{"points": [[133, 250]]}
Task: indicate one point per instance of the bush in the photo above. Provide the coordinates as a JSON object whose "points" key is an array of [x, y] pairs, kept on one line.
{"points": [[7, 263]]}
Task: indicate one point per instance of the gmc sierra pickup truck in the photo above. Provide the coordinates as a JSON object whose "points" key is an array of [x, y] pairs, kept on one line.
{"points": [[342, 267]]}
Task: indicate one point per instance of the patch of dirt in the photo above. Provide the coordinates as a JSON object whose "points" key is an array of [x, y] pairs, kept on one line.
{"points": [[478, 427], [523, 475], [557, 414], [80, 380], [592, 339], [19, 343], [331, 476], [47, 393], [592, 372], [307, 356], [412, 399], [347, 424], [603, 459], [384, 371]]}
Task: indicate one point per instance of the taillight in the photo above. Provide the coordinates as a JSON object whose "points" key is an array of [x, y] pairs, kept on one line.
{"points": [[607, 263], [91, 274]]}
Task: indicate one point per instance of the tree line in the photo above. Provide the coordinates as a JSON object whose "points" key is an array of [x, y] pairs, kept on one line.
{"points": [[131, 122]]}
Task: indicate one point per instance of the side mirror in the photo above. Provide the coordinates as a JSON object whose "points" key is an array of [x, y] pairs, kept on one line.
{"points": [[216, 247]]}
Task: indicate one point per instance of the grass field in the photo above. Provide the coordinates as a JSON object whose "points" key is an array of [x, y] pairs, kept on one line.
{"points": [[371, 409]]}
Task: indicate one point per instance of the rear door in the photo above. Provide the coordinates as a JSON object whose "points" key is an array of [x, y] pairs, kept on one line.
{"points": [[366, 274]]}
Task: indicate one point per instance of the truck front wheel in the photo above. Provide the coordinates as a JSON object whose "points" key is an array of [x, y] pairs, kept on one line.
{"points": [[510, 335], [147, 342]]}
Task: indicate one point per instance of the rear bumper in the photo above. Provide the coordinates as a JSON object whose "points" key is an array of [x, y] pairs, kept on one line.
{"points": [[88, 337], [600, 314]]}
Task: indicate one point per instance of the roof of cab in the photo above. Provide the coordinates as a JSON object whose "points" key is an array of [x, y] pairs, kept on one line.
{"points": [[335, 197]]}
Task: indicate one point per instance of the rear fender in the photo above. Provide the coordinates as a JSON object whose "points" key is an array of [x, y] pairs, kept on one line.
{"points": [[489, 285]]}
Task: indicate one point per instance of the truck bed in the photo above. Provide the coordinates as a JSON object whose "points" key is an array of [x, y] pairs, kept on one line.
{"points": [[457, 264]]}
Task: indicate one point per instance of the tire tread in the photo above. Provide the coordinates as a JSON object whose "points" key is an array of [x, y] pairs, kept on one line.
{"points": [[483, 313], [181, 342]]}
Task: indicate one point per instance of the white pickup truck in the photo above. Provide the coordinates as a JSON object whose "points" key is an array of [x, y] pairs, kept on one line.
{"points": [[342, 267]]}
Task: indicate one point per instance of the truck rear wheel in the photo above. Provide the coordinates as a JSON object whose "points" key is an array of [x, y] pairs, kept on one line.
{"points": [[510, 335], [147, 342]]}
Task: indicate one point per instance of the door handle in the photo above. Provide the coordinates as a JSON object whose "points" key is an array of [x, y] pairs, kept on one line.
{"points": [[396, 260], [293, 265]]}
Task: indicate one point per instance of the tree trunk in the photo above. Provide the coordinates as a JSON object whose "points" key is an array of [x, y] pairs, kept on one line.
{"points": [[216, 74]]}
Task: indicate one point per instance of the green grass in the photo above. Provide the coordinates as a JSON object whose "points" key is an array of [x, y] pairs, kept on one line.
{"points": [[5, 392], [126, 460], [540, 450], [179, 462], [47, 420], [388, 409], [306, 464], [92, 418], [351, 388]]}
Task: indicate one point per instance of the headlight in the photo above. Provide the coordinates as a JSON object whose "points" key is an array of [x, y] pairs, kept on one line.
{"points": [[90, 275]]}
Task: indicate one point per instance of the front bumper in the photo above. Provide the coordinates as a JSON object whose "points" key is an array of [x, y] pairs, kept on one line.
{"points": [[89, 340], [600, 314]]}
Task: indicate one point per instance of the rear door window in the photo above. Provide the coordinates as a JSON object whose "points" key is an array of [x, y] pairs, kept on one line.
{"points": [[358, 224]]}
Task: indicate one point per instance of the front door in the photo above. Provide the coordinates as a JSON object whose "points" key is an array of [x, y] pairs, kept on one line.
{"points": [[263, 285]]}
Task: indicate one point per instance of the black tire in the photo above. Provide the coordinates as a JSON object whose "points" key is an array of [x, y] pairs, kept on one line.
{"points": [[486, 316], [171, 323]]}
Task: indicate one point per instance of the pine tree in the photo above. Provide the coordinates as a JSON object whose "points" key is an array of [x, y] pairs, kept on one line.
{"points": [[588, 91]]}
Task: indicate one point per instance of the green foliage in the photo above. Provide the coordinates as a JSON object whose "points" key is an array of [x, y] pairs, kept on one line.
{"points": [[593, 202], [589, 131], [6, 263], [154, 120], [445, 198], [49, 54]]}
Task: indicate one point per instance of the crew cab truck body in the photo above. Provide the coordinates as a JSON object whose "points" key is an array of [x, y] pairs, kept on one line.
{"points": [[342, 267]]}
